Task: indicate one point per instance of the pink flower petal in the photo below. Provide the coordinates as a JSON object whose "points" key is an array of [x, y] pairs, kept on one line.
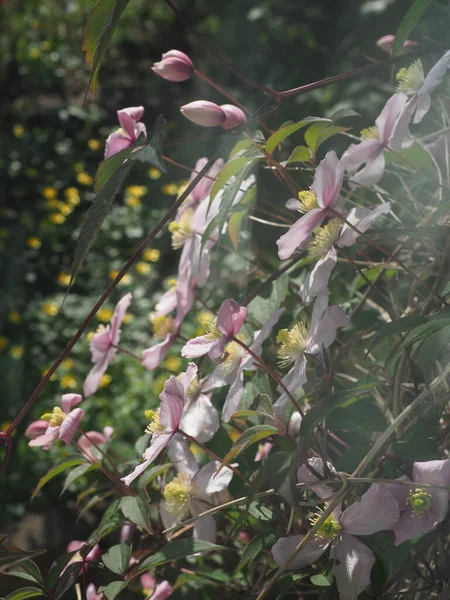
{"points": [[355, 564], [372, 172], [200, 419], [162, 590], [157, 445], [365, 151], [435, 472], [70, 400], [94, 378], [409, 526], [309, 554], [305, 476], [328, 179], [153, 357], [207, 481], [377, 510], [231, 317], [173, 398], [128, 117], [362, 219], [316, 281], [118, 317], [196, 347], [116, 142], [204, 528], [69, 425], [299, 232], [234, 396], [36, 429], [386, 120], [182, 457], [46, 440]]}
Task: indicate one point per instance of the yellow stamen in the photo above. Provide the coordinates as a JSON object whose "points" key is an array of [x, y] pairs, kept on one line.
{"points": [[329, 529], [292, 343], [410, 79], [55, 418], [308, 200], [420, 501], [324, 238], [177, 494], [212, 332], [370, 133], [154, 426], [235, 353], [181, 230]]}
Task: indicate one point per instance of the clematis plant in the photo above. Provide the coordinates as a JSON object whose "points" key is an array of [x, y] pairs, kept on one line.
{"points": [[315, 203], [377, 510], [230, 319], [153, 590], [130, 129], [62, 423], [103, 346], [90, 439], [165, 421]]}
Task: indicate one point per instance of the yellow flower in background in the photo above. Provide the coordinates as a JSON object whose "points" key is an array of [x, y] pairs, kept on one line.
{"points": [[45, 45], [162, 326], [78, 167], [151, 254], [34, 242], [133, 201], [173, 363], [50, 308], [90, 335], [72, 196], [137, 190], [105, 380], [105, 314], [64, 279], [64, 208], [154, 173], [3, 342], [16, 352], [4, 427], [143, 268], [84, 178], [18, 130], [52, 202], [94, 145], [126, 279], [53, 377], [170, 189], [34, 53], [158, 384], [57, 218], [67, 363], [205, 318], [49, 193], [127, 318], [14, 316], [68, 381]]}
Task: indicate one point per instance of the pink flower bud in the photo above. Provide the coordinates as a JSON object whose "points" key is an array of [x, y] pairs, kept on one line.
{"points": [[175, 66], [36, 429], [204, 113], [386, 42], [235, 116]]}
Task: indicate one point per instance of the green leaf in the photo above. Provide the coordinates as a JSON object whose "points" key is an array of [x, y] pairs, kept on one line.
{"points": [[107, 168], [322, 580], [239, 212], [230, 192], [98, 31], [262, 307], [112, 519], [23, 593], [78, 472], [344, 113], [68, 578], [408, 23], [26, 569], [261, 406], [113, 589], [312, 134], [385, 330], [176, 550], [117, 558], [230, 169], [11, 555], [149, 474], [287, 130], [249, 437], [67, 464], [253, 549], [281, 469], [299, 154], [327, 134], [260, 511], [136, 510]]}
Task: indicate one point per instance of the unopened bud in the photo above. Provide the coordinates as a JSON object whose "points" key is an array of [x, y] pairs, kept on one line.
{"points": [[235, 116], [174, 66], [204, 113]]}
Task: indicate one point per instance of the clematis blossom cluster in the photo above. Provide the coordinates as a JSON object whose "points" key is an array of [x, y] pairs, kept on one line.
{"points": [[61, 423]]}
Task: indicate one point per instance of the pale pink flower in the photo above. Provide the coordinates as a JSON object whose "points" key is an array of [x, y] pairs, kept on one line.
{"points": [[103, 348], [75, 546], [166, 420], [130, 129], [152, 591], [174, 66], [422, 508], [202, 488], [203, 187], [36, 429], [375, 511], [323, 195], [235, 116], [229, 321], [386, 42], [91, 593], [204, 113], [87, 440], [263, 451], [371, 150], [61, 423]]}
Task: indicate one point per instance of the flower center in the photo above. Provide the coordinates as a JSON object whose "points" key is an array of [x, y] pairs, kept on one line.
{"points": [[181, 230], [194, 388], [370, 133], [308, 201], [177, 494], [154, 426], [235, 353], [420, 501], [292, 343], [55, 418], [329, 529], [212, 333], [324, 238], [162, 326], [410, 79]]}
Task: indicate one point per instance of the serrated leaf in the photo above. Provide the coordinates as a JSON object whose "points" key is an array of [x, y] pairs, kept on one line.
{"points": [[299, 154], [26, 569], [117, 558], [287, 130], [98, 31], [113, 589], [68, 464], [262, 307], [408, 23], [176, 550], [249, 437], [11, 555], [78, 472], [23, 593], [136, 511]]}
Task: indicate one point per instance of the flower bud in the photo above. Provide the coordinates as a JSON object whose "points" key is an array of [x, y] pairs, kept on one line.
{"points": [[386, 42], [175, 66], [36, 429], [235, 116], [204, 113]]}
